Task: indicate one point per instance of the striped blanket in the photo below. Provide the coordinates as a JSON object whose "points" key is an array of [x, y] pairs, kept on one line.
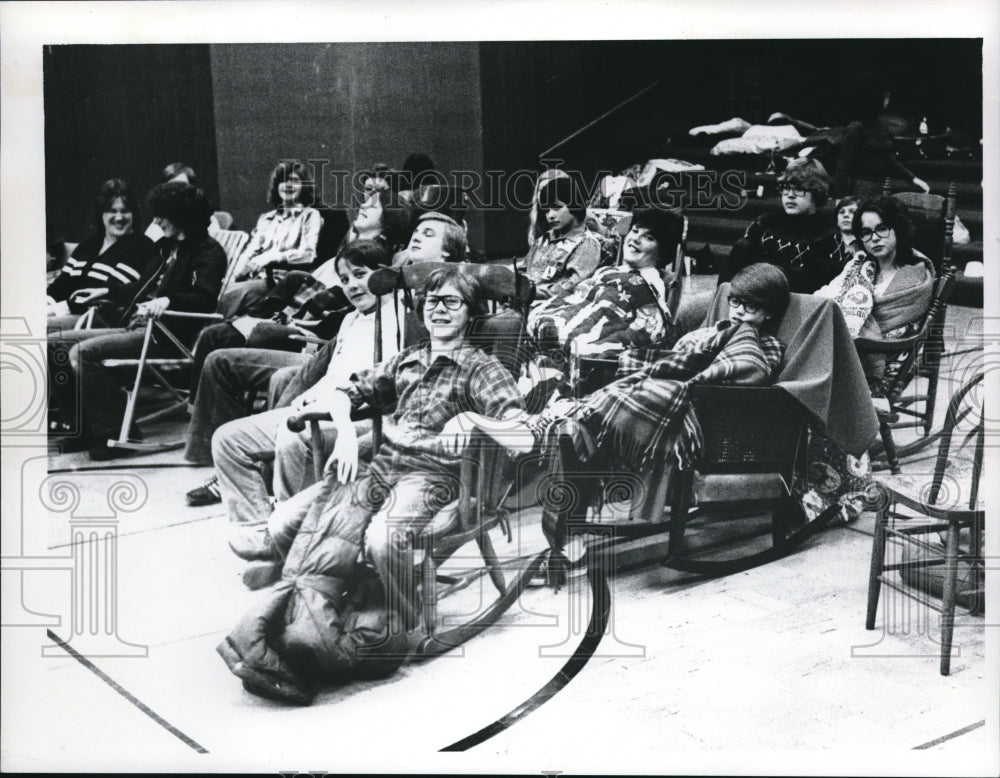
{"points": [[641, 416]]}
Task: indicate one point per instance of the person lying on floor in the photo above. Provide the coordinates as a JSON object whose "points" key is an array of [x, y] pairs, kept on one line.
{"points": [[645, 415], [625, 306], [183, 274], [222, 434], [436, 394]]}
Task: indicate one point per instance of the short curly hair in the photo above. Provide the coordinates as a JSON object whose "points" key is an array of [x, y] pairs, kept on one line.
{"points": [[809, 175], [184, 205]]}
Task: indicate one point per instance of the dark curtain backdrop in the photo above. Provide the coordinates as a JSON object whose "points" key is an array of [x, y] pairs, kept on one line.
{"points": [[122, 112], [128, 110]]}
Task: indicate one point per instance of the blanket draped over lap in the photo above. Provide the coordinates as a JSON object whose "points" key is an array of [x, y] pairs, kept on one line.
{"points": [[640, 415], [313, 625], [821, 369]]}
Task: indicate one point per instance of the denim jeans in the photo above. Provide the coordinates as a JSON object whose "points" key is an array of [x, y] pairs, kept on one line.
{"points": [[89, 390], [226, 379]]}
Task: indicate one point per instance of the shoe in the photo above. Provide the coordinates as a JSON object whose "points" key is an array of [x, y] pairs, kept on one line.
{"points": [[206, 494], [254, 545]]}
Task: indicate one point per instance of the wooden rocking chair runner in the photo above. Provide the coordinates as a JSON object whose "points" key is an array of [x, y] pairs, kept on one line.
{"points": [[485, 473], [755, 437], [938, 509]]}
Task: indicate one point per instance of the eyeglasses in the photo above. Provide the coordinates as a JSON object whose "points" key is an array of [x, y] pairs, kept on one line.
{"points": [[881, 230], [451, 302], [736, 302], [792, 190]]}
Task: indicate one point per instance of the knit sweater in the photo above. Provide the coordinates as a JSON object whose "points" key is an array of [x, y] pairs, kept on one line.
{"points": [[803, 245]]}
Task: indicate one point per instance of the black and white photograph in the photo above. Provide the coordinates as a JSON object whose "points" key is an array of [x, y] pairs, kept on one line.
{"points": [[553, 388]]}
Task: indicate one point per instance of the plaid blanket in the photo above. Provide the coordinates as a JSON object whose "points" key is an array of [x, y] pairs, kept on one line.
{"points": [[641, 414]]}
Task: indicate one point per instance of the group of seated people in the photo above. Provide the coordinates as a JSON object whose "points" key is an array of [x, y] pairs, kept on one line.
{"points": [[432, 386]]}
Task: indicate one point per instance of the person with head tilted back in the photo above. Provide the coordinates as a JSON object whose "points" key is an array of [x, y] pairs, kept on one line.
{"points": [[304, 302], [619, 307], [184, 273]]}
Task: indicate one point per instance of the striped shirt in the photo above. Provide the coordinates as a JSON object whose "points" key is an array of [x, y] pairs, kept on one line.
{"points": [[118, 267]]}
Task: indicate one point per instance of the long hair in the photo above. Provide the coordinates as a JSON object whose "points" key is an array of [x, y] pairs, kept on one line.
{"points": [[280, 174], [107, 193]]}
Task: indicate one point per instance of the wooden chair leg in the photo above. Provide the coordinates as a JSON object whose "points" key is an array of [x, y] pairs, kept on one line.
{"points": [[679, 510], [888, 444], [948, 597], [877, 563], [492, 562], [429, 594]]}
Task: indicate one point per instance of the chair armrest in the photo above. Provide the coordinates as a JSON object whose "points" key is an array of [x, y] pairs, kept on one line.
{"points": [[297, 422], [193, 315], [303, 338], [888, 346]]}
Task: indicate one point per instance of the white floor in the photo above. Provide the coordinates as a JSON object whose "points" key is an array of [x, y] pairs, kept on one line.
{"points": [[762, 671]]}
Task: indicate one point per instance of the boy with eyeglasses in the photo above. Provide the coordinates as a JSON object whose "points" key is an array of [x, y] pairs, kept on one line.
{"points": [[433, 396], [801, 240]]}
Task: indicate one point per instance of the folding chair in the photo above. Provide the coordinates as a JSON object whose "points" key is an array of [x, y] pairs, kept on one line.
{"points": [[155, 366], [941, 508], [233, 242]]}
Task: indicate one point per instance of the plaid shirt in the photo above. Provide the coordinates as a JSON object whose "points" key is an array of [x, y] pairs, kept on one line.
{"points": [[421, 391]]}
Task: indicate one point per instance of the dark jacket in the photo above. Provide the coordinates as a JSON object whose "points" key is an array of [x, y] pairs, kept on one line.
{"points": [[313, 626], [192, 282], [118, 269]]}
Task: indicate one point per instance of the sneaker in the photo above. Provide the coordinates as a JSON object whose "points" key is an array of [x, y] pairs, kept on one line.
{"points": [[206, 494], [254, 545]]}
